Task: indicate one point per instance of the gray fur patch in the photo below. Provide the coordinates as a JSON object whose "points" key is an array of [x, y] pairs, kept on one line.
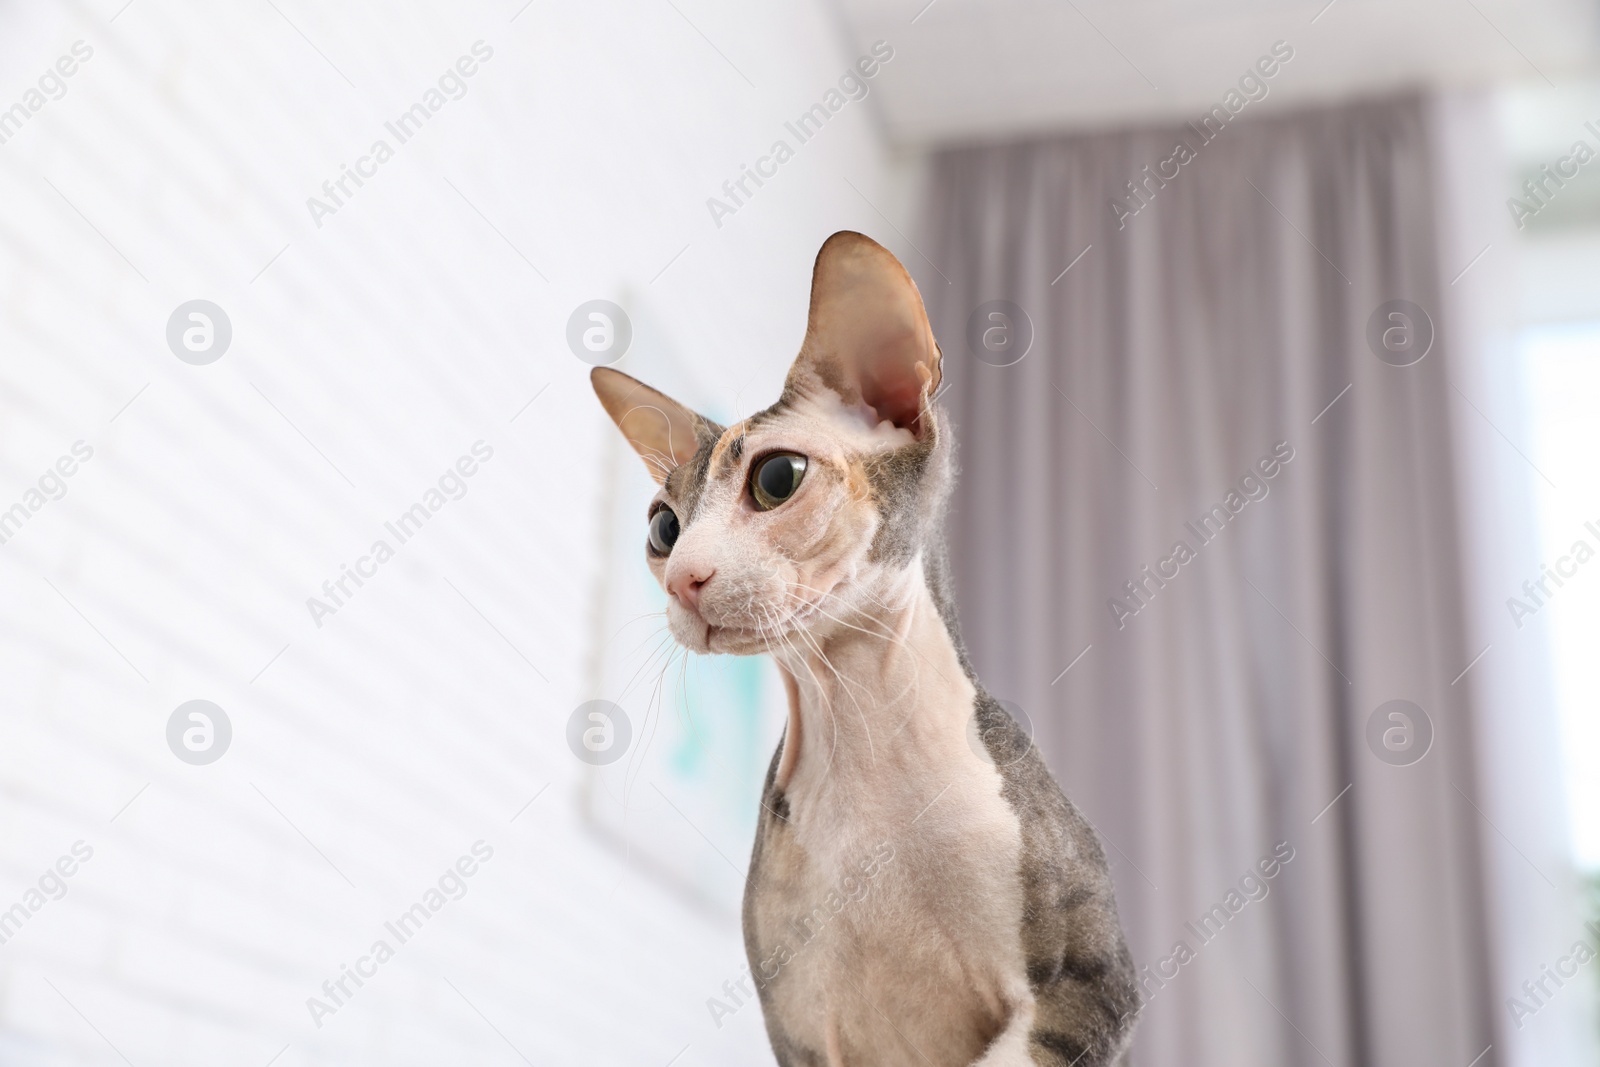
{"points": [[1079, 967], [898, 487], [687, 482]]}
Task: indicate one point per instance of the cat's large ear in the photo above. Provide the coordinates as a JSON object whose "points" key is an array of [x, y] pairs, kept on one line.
{"points": [[660, 429], [867, 336]]}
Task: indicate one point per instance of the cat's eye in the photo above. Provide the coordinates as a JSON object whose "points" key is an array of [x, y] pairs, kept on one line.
{"points": [[775, 478], [663, 531]]}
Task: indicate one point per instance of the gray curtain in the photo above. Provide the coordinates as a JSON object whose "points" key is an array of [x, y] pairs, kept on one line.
{"points": [[1228, 713]]}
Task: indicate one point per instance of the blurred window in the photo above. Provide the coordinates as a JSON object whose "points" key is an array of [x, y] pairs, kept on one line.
{"points": [[1562, 363]]}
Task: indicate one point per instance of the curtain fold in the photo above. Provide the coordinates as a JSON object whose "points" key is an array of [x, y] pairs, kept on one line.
{"points": [[1203, 648]]}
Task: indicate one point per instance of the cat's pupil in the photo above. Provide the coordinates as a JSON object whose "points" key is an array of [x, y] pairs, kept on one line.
{"points": [[776, 478], [663, 531]]}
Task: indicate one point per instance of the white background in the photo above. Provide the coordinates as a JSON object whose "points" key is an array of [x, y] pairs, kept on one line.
{"points": [[368, 356]]}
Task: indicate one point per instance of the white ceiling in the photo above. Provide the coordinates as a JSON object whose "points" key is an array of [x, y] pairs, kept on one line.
{"points": [[981, 69]]}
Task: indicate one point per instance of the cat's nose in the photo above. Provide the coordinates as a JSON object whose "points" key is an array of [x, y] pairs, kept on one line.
{"points": [[687, 586], [687, 583]]}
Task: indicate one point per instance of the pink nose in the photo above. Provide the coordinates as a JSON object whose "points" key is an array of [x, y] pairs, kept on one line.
{"points": [[687, 584]]}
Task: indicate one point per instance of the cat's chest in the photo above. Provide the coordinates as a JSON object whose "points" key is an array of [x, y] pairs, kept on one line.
{"points": [[889, 902]]}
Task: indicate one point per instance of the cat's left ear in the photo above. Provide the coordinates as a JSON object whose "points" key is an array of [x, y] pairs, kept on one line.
{"points": [[664, 432], [867, 336]]}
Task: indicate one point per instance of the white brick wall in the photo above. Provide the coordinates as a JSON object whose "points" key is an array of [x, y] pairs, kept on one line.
{"points": [[176, 166]]}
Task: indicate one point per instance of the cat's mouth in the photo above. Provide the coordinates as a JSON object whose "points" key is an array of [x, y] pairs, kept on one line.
{"points": [[741, 639]]}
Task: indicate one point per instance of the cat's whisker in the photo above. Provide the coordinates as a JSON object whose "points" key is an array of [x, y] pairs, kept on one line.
{"points": [[664, 644], [654, 635], [662, 614], [846, 683], [827, 704], [684, 708], [659, 463], [652, 706], [812, 642], [896, 638], [649, 724], [861, 589], [824, 595], [795, 654], [913, 686]]}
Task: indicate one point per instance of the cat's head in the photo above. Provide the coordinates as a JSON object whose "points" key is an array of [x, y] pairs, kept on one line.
{"points": [[816, 510]]}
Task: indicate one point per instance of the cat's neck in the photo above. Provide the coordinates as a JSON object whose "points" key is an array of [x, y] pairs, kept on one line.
{"points": [[878, 692]]}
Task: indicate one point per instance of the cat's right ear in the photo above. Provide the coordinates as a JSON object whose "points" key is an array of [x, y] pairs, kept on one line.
{"points": [[660, 429], [867, 334]]}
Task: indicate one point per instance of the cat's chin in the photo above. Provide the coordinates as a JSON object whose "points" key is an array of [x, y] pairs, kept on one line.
{"points": [[734, 641]]}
